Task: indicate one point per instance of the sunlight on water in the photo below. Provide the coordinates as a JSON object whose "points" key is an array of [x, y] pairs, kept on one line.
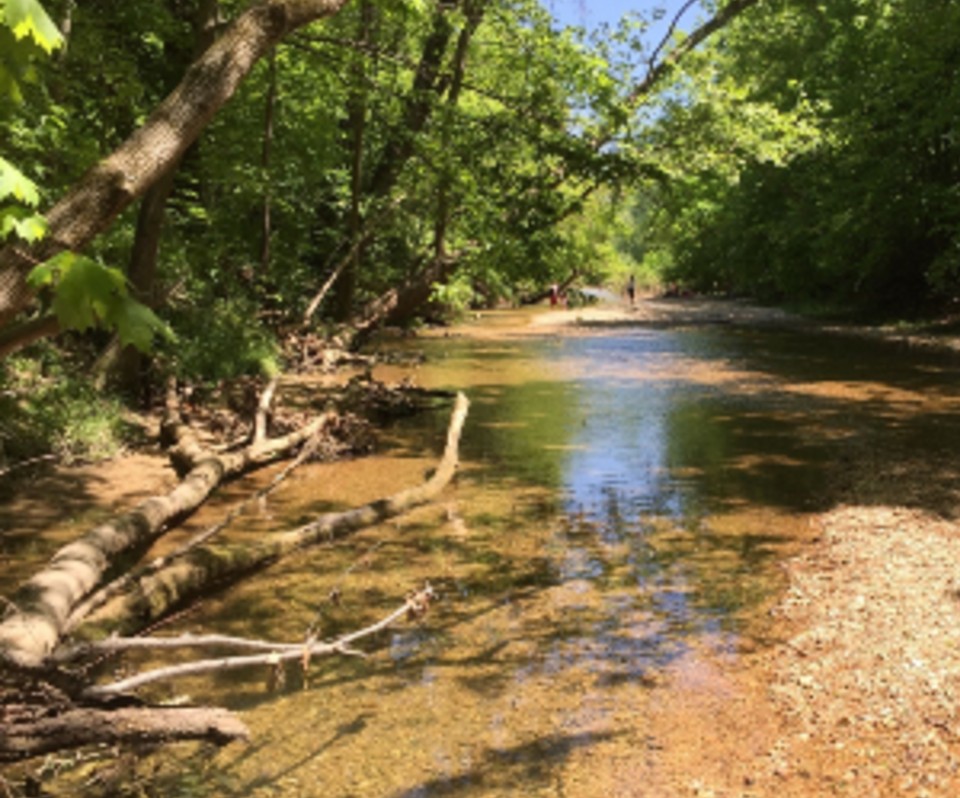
{"points": [[608, 553]]}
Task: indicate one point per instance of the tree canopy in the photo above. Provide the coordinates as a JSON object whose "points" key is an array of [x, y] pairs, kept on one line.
{"points": [[814, 158], [190, 172]]}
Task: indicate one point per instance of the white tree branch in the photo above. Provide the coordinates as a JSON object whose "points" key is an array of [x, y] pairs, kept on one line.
{"points": [[277, 653]]}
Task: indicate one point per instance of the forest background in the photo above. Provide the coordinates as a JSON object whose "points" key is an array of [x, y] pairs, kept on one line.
{"points": [[429, 157]]}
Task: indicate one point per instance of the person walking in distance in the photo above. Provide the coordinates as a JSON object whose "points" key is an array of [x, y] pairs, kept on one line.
{"points": [[632, 290]]}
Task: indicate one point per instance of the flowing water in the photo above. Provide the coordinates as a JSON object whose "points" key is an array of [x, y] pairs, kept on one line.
{"points": [[605, 564]]}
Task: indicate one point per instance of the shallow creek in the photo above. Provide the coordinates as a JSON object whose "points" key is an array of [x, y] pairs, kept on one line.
{"points": [[606, 563]]}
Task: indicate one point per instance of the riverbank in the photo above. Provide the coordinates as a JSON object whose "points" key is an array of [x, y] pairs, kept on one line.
{"points": [[658, 311]]}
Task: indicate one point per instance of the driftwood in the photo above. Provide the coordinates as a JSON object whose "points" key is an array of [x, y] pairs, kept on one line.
{"points": [[187, 576], [44, 604], [272, 654], [29, 730]]}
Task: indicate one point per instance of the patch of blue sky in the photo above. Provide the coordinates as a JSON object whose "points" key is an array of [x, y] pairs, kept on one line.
{"points": [[635, 33]]}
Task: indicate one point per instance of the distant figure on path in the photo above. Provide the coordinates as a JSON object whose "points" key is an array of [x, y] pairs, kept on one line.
{"points": [[554, 295], [632, 290]]}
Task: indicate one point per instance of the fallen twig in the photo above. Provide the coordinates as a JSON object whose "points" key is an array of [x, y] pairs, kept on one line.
{"points": [[277, 653]]}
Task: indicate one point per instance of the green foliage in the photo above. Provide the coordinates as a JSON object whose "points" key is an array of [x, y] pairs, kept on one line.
{"points": [[221, 340], [49, 407], [455, 297], [13, 183], [814, 157], [88, 294], [19, 219], [27, 19], [25, 29]]}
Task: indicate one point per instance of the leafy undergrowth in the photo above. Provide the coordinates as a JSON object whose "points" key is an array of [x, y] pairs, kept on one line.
{"points": [[47, 409]]}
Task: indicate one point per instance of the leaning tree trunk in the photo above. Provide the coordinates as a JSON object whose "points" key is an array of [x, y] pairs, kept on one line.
{"points": [[112, 185], [398, 305]]}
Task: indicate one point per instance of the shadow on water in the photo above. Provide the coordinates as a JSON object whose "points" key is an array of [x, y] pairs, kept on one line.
{"points": [[504, 770]]}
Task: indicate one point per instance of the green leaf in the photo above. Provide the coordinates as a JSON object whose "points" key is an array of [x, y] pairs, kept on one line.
{"points": [[27, 18], [89, 294], [14, 183], [85, 289], [24, 223], [136, 324]]}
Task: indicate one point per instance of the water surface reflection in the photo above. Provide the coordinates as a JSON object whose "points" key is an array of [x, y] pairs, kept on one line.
{"points": [[609, 549]]}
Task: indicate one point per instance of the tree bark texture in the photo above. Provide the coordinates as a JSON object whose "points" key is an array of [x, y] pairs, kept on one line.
{"points": [[114, 183], [27, 730]]}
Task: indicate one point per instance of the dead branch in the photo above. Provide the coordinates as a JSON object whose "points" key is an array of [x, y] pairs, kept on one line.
{"points": [[193, 573], [27, 731], [277, 653], [263, 412]]}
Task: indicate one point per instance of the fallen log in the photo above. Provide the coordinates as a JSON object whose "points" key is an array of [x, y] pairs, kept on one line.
{"points": [[42, 606], [121, 583], [29, 730], [194, 572]]}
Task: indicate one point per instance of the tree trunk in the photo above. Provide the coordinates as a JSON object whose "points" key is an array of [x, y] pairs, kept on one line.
{"points": [[127, 362], [112, 185], [43, 605], [474, 10], [269, 114], [28, 731], [356, 124], [419, 104]]}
